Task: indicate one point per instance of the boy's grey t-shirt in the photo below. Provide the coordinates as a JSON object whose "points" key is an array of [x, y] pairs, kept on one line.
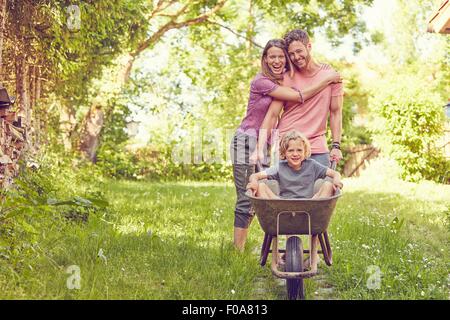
{"points": [[297, 183]]}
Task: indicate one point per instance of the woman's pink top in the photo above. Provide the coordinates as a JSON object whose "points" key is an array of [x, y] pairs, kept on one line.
{"points": [[258, 104]]}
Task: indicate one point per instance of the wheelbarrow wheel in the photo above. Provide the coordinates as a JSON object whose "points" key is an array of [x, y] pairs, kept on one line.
{"points": [[294, 263]]}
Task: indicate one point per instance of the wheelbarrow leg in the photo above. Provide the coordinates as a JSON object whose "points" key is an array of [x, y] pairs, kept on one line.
{"points": [[329, 252], [265, 249], [326, 248]]}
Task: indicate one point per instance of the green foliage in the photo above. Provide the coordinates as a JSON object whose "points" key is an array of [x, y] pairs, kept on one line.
{"points": [[79, 53], [408, 121], [335, 18], [41, 203], [156, 163]]}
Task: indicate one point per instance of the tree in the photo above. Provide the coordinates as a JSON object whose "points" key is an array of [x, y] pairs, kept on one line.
{"points": [[163, 17], [3, 14], [407, 98]]}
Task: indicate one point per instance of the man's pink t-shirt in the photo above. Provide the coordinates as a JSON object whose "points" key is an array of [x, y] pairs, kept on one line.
{"points": [[311, 117]]}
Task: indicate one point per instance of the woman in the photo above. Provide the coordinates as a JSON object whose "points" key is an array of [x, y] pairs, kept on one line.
{"points": [[264, 87]]}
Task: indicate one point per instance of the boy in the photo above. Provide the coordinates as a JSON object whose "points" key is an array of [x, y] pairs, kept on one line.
{"points": [[296, 175]]}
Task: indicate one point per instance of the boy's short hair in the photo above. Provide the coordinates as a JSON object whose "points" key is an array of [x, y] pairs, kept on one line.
{"points": [[294, 135]]}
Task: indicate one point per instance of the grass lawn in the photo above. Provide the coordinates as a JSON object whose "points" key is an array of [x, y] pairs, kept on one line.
{"points": [[174, 241]]}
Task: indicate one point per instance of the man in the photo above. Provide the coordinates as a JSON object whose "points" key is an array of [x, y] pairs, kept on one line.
{"points": [[309, 117]]}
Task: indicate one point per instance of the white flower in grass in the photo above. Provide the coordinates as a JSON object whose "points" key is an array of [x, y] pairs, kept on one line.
{"points": [[365, 246], [232, 291], [422, 293], [102, 256]]}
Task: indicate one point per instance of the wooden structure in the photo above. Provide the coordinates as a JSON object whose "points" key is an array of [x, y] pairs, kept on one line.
{"points": [[12, 139], [358, 158], [440, 20]]}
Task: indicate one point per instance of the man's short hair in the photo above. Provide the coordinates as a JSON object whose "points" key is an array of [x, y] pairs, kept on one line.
{"points": [[296, 35]]}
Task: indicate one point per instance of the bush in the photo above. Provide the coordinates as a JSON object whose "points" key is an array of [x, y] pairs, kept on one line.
{"points": [[408, 120], [150, 164], [41, 202]]}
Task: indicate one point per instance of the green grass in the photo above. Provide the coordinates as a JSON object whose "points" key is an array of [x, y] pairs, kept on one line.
{"points": [[174, 241]]}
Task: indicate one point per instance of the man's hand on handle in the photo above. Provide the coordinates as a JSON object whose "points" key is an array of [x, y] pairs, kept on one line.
{"points": [[256, 156], [335, 155]]}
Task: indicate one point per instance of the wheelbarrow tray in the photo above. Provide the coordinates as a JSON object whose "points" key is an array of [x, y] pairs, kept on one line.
{"points": [[319, 210]]}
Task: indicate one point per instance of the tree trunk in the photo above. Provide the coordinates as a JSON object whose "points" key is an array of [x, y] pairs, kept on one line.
{"points": [[250, 29], [32, 81], [91, 134], [22, 89], [2, 31], [67, 123], [95, 118], [37, 93]]}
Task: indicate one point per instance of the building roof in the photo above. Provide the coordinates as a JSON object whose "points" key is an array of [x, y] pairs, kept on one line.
{"points": [[440, 20]]}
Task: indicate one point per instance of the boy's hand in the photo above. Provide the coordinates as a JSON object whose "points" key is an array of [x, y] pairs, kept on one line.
{"points": [[337, 183], [253, 185]]}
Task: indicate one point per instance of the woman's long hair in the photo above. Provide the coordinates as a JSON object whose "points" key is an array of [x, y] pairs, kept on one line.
{"points": [[265, 69]]}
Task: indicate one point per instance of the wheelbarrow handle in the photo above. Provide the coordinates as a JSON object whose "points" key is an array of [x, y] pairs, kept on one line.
{"points": [[333, 165]]}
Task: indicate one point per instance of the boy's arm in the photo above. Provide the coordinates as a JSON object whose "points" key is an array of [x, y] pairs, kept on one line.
{"points": [[336, 176], [254, 178]]}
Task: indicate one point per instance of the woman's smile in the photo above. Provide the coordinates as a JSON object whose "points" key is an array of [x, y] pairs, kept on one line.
{"points": [[276, 60]]}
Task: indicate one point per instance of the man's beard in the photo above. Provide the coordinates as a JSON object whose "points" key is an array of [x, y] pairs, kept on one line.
{"points": [[307, 59]]}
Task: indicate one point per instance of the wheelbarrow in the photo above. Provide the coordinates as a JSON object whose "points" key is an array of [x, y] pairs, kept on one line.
{"points": [[293, 217]]}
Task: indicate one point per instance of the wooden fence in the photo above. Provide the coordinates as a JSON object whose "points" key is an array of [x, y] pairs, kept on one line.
{"points": [[358, 157]]}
